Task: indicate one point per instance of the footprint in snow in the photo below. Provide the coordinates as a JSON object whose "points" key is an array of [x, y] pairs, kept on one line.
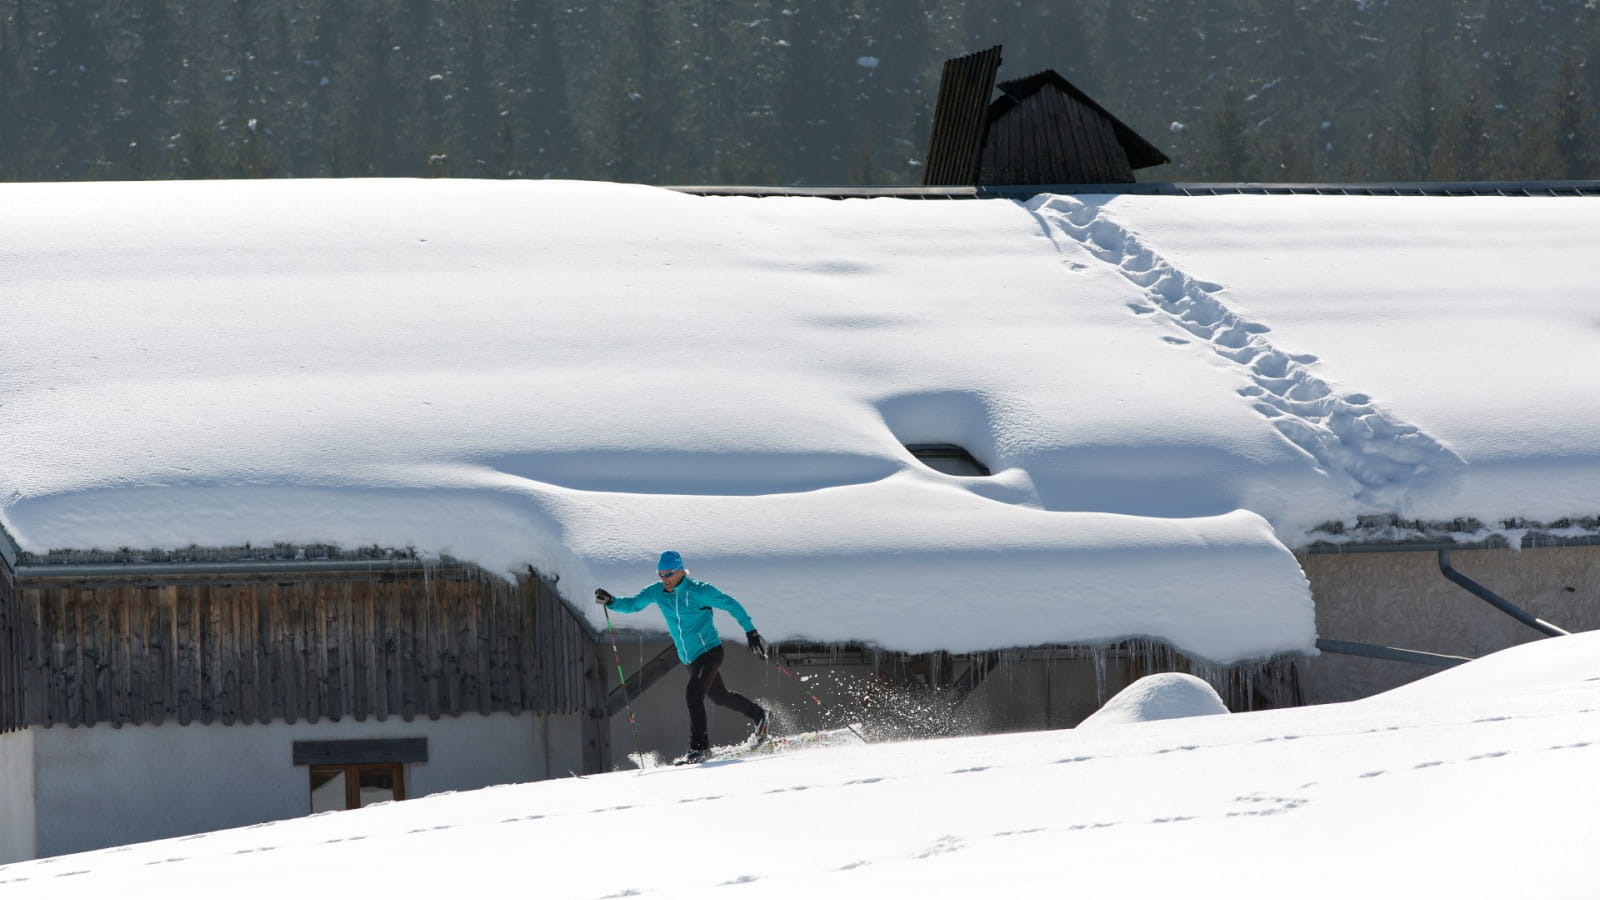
{"points": [[947, 844], [1267, 806], [1383, 457]]}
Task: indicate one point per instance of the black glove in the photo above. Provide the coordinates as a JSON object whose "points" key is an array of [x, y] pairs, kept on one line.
{"points": [[757, 645], [603, 596]]}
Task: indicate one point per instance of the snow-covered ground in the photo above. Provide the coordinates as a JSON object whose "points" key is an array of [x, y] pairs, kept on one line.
{"points": [[1170, 391], [1479, 782]]}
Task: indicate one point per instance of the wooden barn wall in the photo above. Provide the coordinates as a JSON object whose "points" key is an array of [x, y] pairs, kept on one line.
{"points": [[433, 643], [956, 139], [1052, 138], [10, 653]]}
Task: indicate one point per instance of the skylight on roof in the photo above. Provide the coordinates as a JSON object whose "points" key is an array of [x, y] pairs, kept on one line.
{"points": [[950, 459]]}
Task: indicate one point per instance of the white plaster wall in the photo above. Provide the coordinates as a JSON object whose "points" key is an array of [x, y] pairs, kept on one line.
{"points": [[16, 796], [104, 786]]}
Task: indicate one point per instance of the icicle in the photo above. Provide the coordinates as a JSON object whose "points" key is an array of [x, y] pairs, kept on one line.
{"points": [[1098, 656]]}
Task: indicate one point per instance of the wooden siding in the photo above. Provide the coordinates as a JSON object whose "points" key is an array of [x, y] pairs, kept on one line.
{"points": [[956, 140], [1042, 131], [10, 653], [122, 649], [1050, 137]]}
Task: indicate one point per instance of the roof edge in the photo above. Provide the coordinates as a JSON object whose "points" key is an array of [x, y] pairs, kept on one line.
{"points": [[197, 557], [240, 567], [1393, 534], [1157, 188], [9, 551]]}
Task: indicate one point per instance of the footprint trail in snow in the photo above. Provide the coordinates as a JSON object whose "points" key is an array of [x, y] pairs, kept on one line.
{"points": [[1344, 433]]}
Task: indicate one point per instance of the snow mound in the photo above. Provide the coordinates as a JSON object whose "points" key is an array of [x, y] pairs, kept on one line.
{"points": [[1538, 663], [1168, 695]]}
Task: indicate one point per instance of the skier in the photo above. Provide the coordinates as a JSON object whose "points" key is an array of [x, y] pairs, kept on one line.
{"points": [[687, 606]]}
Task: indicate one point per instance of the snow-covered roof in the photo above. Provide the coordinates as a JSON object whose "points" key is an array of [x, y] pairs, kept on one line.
{"points": [[1170, 391]]}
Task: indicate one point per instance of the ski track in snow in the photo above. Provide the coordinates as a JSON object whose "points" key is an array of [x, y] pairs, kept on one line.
{"points": [[1342, 432], [1413, 753], [1274, 801]]}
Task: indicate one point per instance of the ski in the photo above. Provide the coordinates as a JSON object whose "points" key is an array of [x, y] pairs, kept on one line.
{"points": [[773, 744]]}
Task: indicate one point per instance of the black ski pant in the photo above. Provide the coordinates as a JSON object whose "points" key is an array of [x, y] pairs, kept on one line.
{"points": [[705, 680]]}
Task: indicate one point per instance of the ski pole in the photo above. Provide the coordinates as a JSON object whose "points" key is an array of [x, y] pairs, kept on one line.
{"points": [[622, 681], [814, 698]]}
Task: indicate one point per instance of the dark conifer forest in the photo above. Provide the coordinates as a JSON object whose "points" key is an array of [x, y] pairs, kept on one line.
{"points": [[787, 92]]}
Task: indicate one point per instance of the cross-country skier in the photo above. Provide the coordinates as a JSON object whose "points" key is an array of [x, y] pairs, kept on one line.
{"points": [[687, 606]]}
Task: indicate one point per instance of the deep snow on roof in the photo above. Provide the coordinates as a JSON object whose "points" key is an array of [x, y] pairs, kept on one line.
{"points": [[573, 376]]}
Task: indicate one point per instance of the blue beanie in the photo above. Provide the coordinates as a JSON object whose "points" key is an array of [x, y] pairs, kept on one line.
{"points": [[670, 562]]}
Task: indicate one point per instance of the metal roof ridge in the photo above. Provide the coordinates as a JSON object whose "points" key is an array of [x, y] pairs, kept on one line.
{"points": [[1567, 188]]}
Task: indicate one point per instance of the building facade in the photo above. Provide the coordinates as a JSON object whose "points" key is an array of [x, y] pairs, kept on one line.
{"points": [[146, 701]]}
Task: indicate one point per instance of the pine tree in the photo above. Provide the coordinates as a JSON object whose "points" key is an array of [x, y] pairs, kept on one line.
{"points": [[1418, 112], [1575, 131], [1462, 149], [1227, 152]]}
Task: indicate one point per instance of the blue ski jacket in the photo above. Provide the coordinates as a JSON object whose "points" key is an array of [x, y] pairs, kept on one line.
{"points": [[687, 610]]}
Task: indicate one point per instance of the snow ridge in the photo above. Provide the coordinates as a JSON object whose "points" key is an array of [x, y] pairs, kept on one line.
{"points": [[1348, 433]]}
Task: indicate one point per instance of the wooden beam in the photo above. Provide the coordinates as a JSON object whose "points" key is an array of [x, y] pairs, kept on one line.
{"points": [[358, 752], [596, 722], [642, 680]]}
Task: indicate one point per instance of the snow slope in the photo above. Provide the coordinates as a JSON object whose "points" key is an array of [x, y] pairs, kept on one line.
{"points": [[1477, 783], [1449, 341], [575, 376]]}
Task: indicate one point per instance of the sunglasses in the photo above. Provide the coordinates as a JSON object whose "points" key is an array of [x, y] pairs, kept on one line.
{"points": [[665, 574]]}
